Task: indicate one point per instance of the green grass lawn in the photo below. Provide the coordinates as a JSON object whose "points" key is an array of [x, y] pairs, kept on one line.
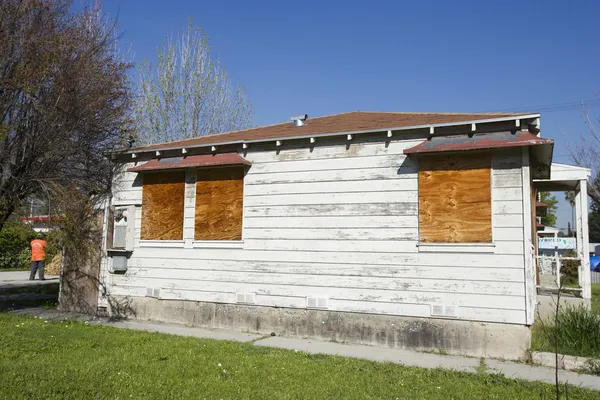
{"points": [[596, 298], [579, 333], [70, 360]]}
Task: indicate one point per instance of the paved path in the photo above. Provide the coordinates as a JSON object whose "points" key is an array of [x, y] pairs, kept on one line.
{"points": [[17, 291], [20, 276], [18, 282], [379, 354]]}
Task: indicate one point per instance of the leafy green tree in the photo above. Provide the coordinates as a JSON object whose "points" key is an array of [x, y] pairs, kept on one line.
{"points": [[551, 201]]}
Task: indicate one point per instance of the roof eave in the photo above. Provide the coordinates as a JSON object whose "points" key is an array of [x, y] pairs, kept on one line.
{"points": [[323, 135]]}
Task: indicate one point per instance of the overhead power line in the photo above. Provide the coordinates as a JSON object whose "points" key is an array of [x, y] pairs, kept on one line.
{"points": [[574, 105]]}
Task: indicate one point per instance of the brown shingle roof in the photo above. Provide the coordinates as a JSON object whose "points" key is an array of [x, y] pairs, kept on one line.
{"points": [[336, 123]]}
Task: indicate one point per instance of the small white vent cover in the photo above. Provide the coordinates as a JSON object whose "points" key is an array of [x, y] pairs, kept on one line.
{"points": [[439, 310], [247, 298], [317, 302], [153, 292]]}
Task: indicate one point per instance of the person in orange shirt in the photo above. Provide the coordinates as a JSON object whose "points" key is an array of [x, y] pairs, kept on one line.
{"points": [[38, 255]]}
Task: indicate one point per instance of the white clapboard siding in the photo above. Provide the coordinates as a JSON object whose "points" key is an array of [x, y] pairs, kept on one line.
{"points": [[515, 234], [331, 152], [508, 221], [385, 246], [485, 314], [212, 280], [493, 315], [333, 234], [384, 271], [197, 295], [333, 210], [321, 221], [131, 196], [425, 259], [331, 198], [392, 161], [340, 222], [340, 175], [382, 296], [508, 207], [509, 247], [507, 193], [513, 179], [332, 187]]}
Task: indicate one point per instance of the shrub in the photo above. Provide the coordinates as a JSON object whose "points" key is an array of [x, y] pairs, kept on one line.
{"points": [[570, 269], [14, 240], [577, 331]]}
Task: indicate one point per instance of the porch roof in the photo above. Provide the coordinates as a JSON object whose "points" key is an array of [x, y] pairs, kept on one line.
{"points": [[563, 177]]}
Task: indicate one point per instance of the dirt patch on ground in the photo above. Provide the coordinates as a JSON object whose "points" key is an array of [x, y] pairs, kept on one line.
{"points": [[54, 266]]}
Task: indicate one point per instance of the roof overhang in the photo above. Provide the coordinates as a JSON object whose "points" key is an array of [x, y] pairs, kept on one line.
{"points": [[245, 142], [203, 160], [540, 148], [563, 177], [478, 141]]}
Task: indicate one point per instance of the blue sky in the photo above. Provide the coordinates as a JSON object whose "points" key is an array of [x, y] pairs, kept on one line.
{"points": [[324, 57]]}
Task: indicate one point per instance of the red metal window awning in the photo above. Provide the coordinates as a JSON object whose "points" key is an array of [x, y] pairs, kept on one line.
{"points": [[203, 160], [540, 149], [480, 141]]}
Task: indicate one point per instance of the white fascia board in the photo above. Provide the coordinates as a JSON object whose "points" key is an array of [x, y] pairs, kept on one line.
{"points": [[323, 135]]}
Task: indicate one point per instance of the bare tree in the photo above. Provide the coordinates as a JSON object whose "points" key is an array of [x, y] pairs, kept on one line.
{"points": [[188, 93], [586, 151], [64, 101]]}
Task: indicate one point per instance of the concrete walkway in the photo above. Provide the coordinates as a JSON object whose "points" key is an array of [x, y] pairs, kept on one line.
{"points": [[379, 354], [21, 276], [16, 289], [18, 282]]}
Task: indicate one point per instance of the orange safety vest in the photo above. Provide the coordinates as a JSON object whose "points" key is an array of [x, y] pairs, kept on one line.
{"points": [[37, 250]]}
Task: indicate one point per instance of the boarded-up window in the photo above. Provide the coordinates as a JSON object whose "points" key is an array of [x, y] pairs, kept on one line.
{"points": [[219, 203], [163, 199], [455, 200]]}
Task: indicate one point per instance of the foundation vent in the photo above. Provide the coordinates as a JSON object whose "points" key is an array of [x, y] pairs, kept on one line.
{"points": [[153, 292], [439, 310], [246, 298], [317, 302]]}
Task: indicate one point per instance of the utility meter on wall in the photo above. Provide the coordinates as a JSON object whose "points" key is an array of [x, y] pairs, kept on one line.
{"points": [[120, 229], [120, 236]]}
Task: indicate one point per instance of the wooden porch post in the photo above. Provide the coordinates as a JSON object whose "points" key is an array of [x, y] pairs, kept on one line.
{"points": [[581, 210]]}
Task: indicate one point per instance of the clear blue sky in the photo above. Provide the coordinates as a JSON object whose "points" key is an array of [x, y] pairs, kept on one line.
{"points": [[324, 57]]}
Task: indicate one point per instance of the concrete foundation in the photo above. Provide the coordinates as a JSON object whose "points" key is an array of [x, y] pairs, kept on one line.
{"points": [[428, 334]]}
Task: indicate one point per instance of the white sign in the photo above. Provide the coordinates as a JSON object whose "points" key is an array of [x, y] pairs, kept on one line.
{"points": [[550, 243]]}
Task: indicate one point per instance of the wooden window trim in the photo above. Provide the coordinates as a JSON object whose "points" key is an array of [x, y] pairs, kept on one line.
{"points": [[467, 247]]}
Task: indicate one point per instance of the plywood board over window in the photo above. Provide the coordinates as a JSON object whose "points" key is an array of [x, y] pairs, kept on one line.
{"points": [[163, 198], [455, 200], [219, 203]]}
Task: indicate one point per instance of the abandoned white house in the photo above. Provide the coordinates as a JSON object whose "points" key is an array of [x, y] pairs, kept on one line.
{"points": [[408, 230]]}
